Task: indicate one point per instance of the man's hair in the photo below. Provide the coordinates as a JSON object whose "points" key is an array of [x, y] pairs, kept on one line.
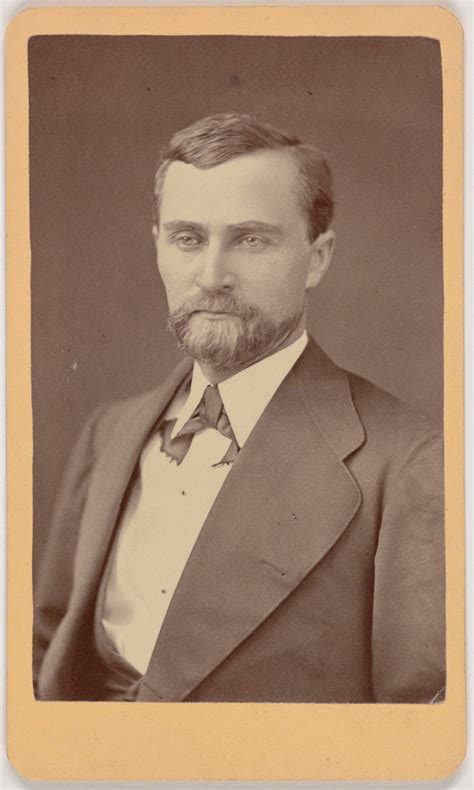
{"points": [[219, 138]]}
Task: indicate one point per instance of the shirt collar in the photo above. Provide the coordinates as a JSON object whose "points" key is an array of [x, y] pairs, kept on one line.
{"points": [[261, 379], [183, 412]]}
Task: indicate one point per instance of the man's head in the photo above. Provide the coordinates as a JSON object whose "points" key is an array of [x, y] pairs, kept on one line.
{"points": [[242, 231]]}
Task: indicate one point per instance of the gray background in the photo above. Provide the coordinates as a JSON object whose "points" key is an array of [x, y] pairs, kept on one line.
{"points": [[100, 109]]}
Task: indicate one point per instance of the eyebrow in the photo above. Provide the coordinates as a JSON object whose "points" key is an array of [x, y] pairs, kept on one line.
{"points": [[255, 226], [180, 224], [251, 226]]}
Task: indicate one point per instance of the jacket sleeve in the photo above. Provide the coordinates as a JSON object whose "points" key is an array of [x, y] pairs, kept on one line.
{"points": [[408, 640], [54, 581]]}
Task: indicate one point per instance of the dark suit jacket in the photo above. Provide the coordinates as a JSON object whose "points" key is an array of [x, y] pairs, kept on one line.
{"points": [[318, 575]]}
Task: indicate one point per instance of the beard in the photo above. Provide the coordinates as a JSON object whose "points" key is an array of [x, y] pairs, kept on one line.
{"points": [[240, 339]]}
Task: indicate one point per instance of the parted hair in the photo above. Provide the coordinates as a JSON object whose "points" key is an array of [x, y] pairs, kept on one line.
{"points": [[219, 138]]}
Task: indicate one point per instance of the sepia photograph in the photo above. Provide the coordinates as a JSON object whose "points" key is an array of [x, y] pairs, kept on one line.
{"points": [[264, 523], [235, 350]]}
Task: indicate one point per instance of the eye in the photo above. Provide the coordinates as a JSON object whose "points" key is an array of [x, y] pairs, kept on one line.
{"points": [[186, 241], [252, 242]]}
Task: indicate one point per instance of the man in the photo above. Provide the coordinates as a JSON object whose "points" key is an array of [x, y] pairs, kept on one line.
{"points": [[265, 526]]}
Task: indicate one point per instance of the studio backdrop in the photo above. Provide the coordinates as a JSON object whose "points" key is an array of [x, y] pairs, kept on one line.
{"points": [[101, 107]]}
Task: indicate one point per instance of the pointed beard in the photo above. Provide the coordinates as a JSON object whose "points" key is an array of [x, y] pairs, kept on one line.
{"points": [[238, 339]]}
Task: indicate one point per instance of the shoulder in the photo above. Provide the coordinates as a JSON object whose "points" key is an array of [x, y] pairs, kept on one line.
{"points": [[141, 409], [399, 440], [115, 416], [355, 414], [380, 411], [115, 411]]}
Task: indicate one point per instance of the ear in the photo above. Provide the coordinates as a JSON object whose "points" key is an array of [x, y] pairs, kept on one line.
{"points": [[154, 233], [322, 249]]}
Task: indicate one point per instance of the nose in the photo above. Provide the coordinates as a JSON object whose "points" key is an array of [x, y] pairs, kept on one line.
{"points": [[214, 273]]}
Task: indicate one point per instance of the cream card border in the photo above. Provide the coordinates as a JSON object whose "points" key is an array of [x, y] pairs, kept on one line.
{"points": [[185, 741]]}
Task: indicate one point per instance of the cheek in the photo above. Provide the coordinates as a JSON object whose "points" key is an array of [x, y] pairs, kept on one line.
{"points": [[276, 283], [176, 279]]}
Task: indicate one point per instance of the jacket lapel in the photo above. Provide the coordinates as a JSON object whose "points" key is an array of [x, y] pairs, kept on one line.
{"points": [[286, 501], [110, 482]]}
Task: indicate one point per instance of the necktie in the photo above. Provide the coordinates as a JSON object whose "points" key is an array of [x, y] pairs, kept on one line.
{"points": [[210, 413]]}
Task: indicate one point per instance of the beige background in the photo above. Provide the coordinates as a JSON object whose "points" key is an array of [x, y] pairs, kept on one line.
{"points": [[180, 741]]}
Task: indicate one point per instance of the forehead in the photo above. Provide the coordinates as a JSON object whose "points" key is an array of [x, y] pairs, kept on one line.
{"points": [[260, 186]]}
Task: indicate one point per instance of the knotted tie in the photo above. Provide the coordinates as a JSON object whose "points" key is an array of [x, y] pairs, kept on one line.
{"points": [[209, 414]]}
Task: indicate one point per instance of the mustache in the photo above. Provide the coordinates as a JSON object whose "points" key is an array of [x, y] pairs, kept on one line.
{"points": [[214, 303]]}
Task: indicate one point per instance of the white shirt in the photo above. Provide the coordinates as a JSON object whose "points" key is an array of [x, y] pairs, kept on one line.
{"points": [[170, 503]]}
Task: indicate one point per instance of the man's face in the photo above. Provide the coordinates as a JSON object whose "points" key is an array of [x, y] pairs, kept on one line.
{"points": [[235, 257]]}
